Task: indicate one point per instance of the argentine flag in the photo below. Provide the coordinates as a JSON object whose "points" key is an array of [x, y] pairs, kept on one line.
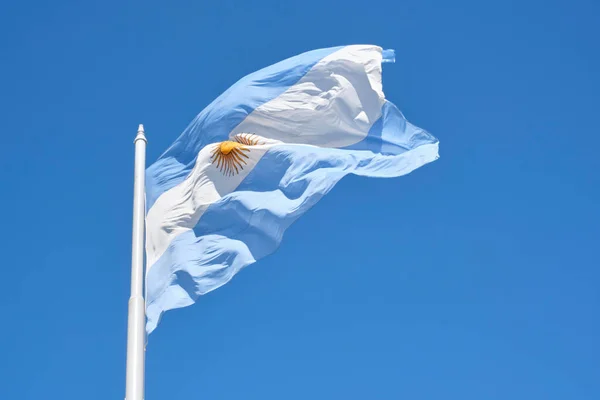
{"points": [[260, 156]]}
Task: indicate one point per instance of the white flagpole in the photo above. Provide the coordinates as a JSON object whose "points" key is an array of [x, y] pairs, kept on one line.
{"points": [[136, 333]]}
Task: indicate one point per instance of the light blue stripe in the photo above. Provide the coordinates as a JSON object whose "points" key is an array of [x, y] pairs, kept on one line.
{"points": [[219, 118], [388, 56], [392, 134], [249, 223]]}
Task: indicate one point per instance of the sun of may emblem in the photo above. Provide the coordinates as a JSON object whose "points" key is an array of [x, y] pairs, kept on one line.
{"points": [[230, 156]]}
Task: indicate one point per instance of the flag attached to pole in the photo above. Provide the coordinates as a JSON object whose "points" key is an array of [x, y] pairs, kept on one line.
{"points": [[261, 155]]}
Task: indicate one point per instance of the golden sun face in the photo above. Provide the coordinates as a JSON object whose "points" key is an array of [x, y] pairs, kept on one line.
{"points": [[230, 156]]}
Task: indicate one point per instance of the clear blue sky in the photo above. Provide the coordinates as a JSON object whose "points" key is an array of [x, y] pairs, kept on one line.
{"points": [[475, 277]]}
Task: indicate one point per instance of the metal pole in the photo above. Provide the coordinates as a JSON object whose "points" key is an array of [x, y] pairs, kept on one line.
{"points": [[134, 386]]}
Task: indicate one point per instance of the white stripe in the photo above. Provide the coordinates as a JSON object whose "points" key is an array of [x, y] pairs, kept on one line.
{"points": [[179, 209], [333, 105]]}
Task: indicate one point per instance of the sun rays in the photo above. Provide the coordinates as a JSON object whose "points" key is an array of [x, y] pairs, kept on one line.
{"points": [[230, 156]]}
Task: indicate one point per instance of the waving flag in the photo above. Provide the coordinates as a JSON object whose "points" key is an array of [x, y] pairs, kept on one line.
{"points": [[259, 157]]}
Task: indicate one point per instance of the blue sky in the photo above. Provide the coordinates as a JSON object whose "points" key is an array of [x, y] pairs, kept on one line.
{"points": [[475, 277]]}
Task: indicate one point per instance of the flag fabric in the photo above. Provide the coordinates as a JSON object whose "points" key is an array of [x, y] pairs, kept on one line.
{"points": [[261, 155]]}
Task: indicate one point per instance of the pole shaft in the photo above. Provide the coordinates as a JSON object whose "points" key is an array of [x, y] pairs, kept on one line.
{"points": [[134, 386]]}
